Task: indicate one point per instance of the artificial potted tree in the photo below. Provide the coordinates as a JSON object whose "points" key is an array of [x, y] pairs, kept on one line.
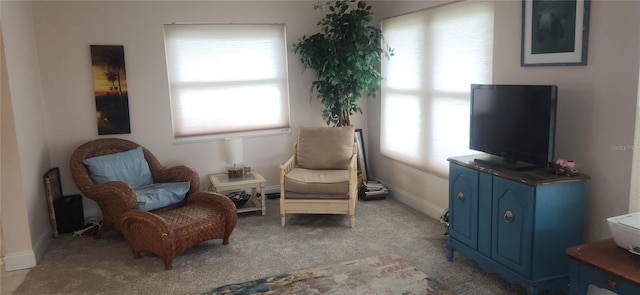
{"points": [[345, 55]]}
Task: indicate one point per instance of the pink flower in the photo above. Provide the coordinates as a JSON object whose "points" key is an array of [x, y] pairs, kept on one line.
{"points": [[562, 162]]}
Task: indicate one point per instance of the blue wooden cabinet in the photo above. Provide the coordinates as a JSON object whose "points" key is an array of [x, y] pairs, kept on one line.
{"points": [[516, 224]]}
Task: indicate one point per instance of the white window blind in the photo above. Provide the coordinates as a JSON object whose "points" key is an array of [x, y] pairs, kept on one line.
{"points": [[227, 79], [439, 52]]}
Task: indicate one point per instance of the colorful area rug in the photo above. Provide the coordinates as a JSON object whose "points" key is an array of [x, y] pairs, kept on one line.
{"points": [[384, 274]]}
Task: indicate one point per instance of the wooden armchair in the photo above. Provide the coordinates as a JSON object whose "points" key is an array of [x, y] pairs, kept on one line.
{"points": [[321, 176]]}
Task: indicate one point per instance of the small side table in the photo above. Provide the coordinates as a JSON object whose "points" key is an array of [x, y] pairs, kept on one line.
{"points": [[222, 183], [604, 265]]}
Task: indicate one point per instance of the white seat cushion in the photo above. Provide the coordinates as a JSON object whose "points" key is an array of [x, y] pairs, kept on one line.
{"points": [[302, 180]]}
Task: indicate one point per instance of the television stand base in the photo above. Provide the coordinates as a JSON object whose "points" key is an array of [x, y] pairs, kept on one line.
{"points": [[502, 163]]}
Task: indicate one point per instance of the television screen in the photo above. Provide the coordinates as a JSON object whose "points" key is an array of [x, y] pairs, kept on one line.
{"points": [[516, 123]]}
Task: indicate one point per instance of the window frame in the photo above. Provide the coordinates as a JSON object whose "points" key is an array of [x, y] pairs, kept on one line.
{"points": [[280, 83], [427, 90]]}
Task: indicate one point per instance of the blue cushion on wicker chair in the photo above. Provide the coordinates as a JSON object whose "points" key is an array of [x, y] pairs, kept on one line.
{"points": [[160, 195], [129, 167]]}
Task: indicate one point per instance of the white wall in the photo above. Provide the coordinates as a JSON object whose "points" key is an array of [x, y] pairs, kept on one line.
{"points": [[25, 152], [596, 108]]}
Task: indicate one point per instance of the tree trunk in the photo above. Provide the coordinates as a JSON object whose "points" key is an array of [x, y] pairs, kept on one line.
{"points": [[343, 120]]}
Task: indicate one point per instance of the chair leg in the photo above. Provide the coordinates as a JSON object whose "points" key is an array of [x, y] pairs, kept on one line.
{"points": [[352, 220], [168, 265], [282, 219], [105, 227]]}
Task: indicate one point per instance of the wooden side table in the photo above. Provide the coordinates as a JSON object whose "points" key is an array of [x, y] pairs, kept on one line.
{"points": [[604, 265], [222, 183]]}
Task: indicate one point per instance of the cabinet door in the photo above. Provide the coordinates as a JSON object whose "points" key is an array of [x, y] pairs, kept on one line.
{"points": [[512, 231], [463, 205]]}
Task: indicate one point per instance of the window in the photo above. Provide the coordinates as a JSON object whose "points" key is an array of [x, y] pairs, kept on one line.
{"points": [[439, 52], [227, 79]]}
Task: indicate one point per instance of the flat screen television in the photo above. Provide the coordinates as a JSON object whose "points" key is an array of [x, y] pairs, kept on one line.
{"points": [[514, 124]]}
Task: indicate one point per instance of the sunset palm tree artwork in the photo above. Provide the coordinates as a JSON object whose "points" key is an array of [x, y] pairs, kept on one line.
{"points": [[110, 89]]}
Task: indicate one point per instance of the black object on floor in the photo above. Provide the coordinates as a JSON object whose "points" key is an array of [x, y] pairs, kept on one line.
{"points": [[273, 196], [65, 212], [69, 213]]}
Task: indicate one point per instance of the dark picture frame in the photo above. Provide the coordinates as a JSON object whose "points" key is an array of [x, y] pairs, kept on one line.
{"points": [[362, 157], [555, 33]]}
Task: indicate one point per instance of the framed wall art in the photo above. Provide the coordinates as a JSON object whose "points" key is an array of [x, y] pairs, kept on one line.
{"points": [[555, 33], [110, 89], [362, 157]]}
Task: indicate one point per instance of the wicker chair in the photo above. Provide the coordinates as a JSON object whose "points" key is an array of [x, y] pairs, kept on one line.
{"points": [[166, 231]]}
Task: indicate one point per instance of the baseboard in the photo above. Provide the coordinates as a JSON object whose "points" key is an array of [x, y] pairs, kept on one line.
{"points": [[43, 242], [19, 260], [28, 259], [415, 202], [273, 189]]}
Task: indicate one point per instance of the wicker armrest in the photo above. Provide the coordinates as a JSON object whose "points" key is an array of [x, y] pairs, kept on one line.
{"points": [[113, 192], [114, 198]]}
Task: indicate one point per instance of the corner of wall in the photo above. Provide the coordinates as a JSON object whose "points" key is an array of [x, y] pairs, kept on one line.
{"points": [[28, 259], [43, 242], [430, 209]]}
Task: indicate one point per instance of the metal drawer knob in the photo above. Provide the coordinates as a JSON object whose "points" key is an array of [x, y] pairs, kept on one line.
{"points": [[460, 197], [508, 216]]}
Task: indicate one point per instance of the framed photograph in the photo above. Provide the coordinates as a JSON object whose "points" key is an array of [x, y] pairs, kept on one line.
{"points": [[554, 33], [362, 157]]}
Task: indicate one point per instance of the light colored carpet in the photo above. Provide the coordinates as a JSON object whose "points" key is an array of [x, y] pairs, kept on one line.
{"points": [[260, 247]]}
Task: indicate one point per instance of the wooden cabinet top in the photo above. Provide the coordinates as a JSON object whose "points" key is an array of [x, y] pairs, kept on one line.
{"points": [[538, 176], [608, 257]]}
